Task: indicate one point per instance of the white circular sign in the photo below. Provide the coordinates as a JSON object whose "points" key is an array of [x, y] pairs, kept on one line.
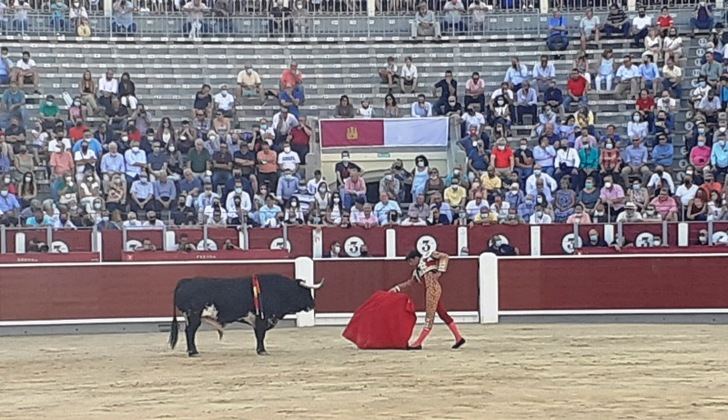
{"points": [[426, 244], [133, 244], [569, 243], [720, 238], [208, 245], [644, 240], [280, 243], [352, 246], [59, 247]]}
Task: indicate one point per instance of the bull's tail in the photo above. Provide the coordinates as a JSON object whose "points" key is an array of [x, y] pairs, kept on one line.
{"points": [[174, 329]]}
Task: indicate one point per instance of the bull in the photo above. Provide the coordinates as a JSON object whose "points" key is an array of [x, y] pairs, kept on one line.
{"points": [[223, 301]]}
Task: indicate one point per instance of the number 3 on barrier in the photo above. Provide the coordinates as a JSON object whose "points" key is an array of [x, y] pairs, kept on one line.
{"points": [[426, 244]]}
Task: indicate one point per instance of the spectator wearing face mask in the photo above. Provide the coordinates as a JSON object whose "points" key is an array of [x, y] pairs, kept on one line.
{"points": [[390, 185], [594, 240], [135, 161], [539, 216], [719, 158], [630, 214], [420, 175], [334, 251], [142, 194], [612, 196], [700, 154], [665, 205], [287, 186], [579, 217], [85, 158], [384, 209], [343, 167]]}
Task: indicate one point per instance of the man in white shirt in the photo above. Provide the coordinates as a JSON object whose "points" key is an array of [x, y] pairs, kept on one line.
{"points": [[112, 163], [245, 203], [589, 28], [412, 220], [85, 158], [135, 160], [548, 181], [288, 159], [473, 206], [659, 178], [283, 122], [628, 77], [57, 139], [224, 102], [539, 217], [313, 184], [686, 191], [25, 69], [408, 76], [543, 72], [567, 161], [640, 26], [250, 84], [152, 220], [474, 119], [108, 87]]}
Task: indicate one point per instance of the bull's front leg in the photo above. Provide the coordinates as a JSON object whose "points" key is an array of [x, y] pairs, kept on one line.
{"points": [[193, 323], [260, 327]]}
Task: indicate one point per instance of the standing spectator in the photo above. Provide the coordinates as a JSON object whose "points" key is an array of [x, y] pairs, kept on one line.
{"points": [[543, 73], [408, 76], [616, 22], [577, 90], [448, 87], [589, 28], [628, 77], [475, 91], [425, 23], [123, 17], [77, 14], [640, 27], [58, 16], [300, 138], [558, 38], [267, 165], [702, 17]]}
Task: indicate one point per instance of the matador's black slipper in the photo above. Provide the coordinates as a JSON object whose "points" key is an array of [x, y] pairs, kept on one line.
{"points": [[414, 347], [459, 343]]}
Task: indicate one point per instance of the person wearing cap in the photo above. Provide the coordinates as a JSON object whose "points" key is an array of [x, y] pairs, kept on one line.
{"points": [[630, 214], [250, 84], [224, 101], [425, 23]]}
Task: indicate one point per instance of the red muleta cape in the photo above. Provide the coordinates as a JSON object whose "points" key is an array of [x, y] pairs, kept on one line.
{"points": [[384, 321]]}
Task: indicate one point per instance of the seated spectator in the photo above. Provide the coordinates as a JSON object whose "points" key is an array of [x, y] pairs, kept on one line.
{"points": [[365, 110], [612, 197], [165, 193], [425, 23], [663, 152], [475, 92], [287, 186], [454, 10], [616, 22], [719, 158], [630, 214], [700, 154], [224, 102], [589, 28], [653, 45], [127, 92], [389, 74], [540, 217], [14, 103], [142, 194], [421, 108], [408, 76], [195, 25], [221, 164], [391, 110], [577, 90], [250, 84], [123, 17], [606, 70], [702, 18], [635, 162], [203, 100], [696, 210], [672, 46], [638, 127], [664, 205], [640, 27], [711, 70], [292, 214], [291, 77], [628, 77], [567, 161], [344, 109], [686, 191], [543, 73], [526, 102], [26, 72], [661, 179], [650, 74], [448, 88], [709, 107], [558, 35]]}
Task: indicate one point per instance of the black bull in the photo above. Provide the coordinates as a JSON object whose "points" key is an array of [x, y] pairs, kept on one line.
{"points": [[223, 301]]}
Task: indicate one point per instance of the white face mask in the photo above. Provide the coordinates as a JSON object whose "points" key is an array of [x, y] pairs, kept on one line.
{"points": [[609, 146], [135, 149], [286, 149], [608, 184], [537, 172], [524, 147], [501, 147], [636, 119]]}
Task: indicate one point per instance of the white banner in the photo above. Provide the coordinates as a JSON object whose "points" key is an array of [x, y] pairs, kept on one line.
{"points": [[429, 132]]}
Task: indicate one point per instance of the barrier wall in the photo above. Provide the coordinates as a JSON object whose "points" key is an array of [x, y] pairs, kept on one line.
{"points": [[474, 289]]}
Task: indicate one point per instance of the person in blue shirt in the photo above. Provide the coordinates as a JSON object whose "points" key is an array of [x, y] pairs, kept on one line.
{"points": [[6, 66], [292, 97], [14, 102], [650, 73], [558, 39], [93, 144], [38, 219], [663, 153], [478, 159], [384, 208], [268, 214], [59, 11], [719, 157]]}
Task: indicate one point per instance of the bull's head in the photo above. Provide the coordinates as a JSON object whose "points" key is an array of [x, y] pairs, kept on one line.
{"points": [[314, 286]]}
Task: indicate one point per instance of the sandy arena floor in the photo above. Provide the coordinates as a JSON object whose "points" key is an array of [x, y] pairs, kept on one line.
{"points": [[506, 371]]}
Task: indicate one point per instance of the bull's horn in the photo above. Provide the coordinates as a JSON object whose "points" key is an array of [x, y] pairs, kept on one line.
{"points": [[313, 286]]}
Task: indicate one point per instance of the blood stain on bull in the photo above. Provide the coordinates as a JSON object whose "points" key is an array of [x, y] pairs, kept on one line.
{"points": [[260, 301]]}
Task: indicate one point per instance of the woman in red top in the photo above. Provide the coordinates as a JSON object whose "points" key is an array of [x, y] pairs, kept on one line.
{"points": [[646, 105], [664, 21]]}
